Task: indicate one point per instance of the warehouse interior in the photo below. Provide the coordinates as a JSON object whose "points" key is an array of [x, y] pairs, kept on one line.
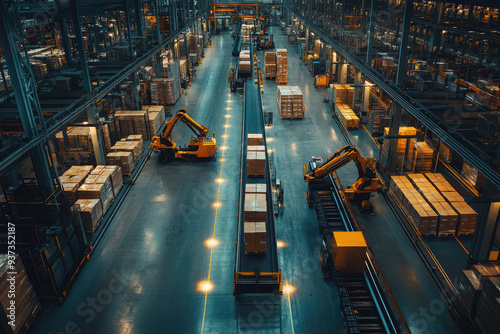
{"points": [[271, 166]]}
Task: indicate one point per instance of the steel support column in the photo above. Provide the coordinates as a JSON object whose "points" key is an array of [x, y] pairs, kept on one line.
{"points": [[486, 226], [371, 32], [65, 40], [436, 33], [403, 48], [139, 17], [129, 30]]}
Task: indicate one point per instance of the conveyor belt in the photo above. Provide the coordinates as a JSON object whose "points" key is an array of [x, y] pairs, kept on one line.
{"points": [[365, 306], [237, 42], [255, 272]]}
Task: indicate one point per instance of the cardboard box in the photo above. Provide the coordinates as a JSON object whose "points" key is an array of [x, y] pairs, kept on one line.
{"points": [[260, 188], [249, 236], [349, 251], [91, 213], [254, 139], [255, 209], [260, 237], [260, 148], [122, 159], [70, 191], [256, 164]]}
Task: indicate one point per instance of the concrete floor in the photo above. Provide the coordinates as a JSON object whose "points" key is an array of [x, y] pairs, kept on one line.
{"points": [[143, 277]]}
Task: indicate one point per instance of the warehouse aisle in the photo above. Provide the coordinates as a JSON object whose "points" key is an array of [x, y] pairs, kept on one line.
{"points": [[143, 277], [295, 141]]}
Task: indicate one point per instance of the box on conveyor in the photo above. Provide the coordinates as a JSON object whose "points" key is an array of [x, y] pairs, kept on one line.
{"points": [[254, 139], [255, 209], [91, 213], [349, 251], [256, 164], [123, 159], [249, 236], [258, 188], [102, 191], [258, 148], [255, 237], [244, 66]]}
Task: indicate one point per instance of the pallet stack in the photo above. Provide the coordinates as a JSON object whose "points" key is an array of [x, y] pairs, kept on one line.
{"points": [[447, 154], [164, 91], [447, 217], [133, 147], [130, 122], [156, 118], [469, 288], [244, 65], [270, 65], [26, 301], [183, 69], [256, 164], [91, 213], [378, 119], [415, 207], [72, 179], [98, 187], [255, 218], [114, 173], [473, 177], [284, 99], [422, 159], [298, 107], [487, 313], [343, 94], [467, 217], [347, 116], [123, 159], [281, 67]]}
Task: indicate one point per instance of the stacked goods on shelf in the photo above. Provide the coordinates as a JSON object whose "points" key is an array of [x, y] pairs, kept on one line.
{"points": [[91, 213], [378, 119], [26, 304], [255, 218], [256, 163], [401, 154], [130, 122], [422, 159], [447, 217], [418, 211], [129, 146], [488, 304], [164, 91], [80, 149], [469, 288], [72, 179], [60, 84], [183, 47], [473, 177], [281, 67], [156, 118], [349, 252], [193, 59], [114, 173], [39, 69], [98, 186], [284, 99], [467, 217], [298, 107], [347, 116], [447, 154], [487, 126], [123, 159], [182, 69], [270, 64]]}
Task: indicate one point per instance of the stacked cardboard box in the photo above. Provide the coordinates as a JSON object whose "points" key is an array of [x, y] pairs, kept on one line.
{"points": [[98, 186], [488, 305], [25, 300], [467, 217], [473, 177], [298, 107], [469, 288], [156, 116], [244, 66], [131, 122], [60, 84], [422, 159], [123, 159], [39, 69], [91, 213], [349, 252], [174, 73], [246, 30], [446, 154], [255, 237], [256, 163], [343, 93], [285, 102], [377, 120], [72, 179], [254, 139], [401, 154], [183, 69], [164, 91], [255, 217], [416, 208], [281, 67], [255, 188], [129, 146], [79, 138], [115, 175], [347, 116], [270, 64], [447, 217], [193, 59]]}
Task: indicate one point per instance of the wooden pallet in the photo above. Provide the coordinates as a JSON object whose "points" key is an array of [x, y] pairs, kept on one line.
{"points": [[461, 234], [444, 235], [279, 83]]}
